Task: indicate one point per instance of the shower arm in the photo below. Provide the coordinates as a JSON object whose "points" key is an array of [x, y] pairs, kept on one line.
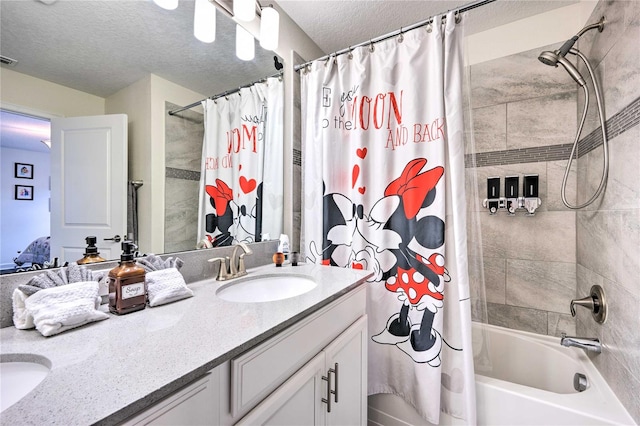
{"points": [[605, 148]]}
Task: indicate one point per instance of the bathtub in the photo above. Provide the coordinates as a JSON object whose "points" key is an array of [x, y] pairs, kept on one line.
{"points": [[521, 379], [527, 379]]}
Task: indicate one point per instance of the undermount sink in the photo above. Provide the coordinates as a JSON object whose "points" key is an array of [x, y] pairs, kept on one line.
{"points": [[265, 288], [19, 377]]}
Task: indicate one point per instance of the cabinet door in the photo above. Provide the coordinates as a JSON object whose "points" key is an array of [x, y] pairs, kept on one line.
{"points": [[297, 402], [195, 404], [347, 355]]}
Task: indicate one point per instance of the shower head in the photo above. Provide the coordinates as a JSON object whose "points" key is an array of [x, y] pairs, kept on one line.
{"points": [[555, 58], [558, 56]]}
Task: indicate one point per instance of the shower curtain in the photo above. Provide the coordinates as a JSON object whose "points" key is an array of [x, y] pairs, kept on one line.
{"points": [[383, 190], [241, 174]]}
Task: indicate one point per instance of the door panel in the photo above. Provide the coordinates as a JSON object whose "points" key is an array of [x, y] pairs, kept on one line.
{"points": [[88, 184]]}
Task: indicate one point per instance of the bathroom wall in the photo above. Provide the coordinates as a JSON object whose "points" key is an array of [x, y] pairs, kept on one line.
{"points": [[184, 133], [22, 220], [608, 232], [524, 118]]}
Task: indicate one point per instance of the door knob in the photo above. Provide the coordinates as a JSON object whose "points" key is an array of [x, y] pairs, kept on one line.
{"points": [[115, 239]]}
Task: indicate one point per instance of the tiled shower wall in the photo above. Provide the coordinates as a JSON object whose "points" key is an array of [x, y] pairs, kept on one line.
{"points": [[524, 119], [608, 232], [184, 133]]}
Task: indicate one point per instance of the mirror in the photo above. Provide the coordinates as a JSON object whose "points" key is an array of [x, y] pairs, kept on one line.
{"points": [[95, 50]]}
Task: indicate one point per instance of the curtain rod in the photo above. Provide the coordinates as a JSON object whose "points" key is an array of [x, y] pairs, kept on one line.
{"points": [[392, 34], [227, 93]]}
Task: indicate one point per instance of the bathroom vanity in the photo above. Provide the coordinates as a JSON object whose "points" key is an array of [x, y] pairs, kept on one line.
{"points": [[205, 360]]}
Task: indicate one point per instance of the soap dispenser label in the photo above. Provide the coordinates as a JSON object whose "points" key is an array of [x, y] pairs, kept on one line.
{"points": [[132, 290]]}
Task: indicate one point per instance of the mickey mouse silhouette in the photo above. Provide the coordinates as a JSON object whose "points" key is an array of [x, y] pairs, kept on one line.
{"points": [[403, 250]]}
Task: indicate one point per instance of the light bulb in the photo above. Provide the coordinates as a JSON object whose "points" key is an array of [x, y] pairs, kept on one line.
{"points": [[204, 21], [269, 28], [167, 4], [245, 44], [244, 10]]}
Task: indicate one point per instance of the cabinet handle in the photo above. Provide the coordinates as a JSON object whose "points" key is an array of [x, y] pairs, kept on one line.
{"points": [[335, 372], [327, 400]]}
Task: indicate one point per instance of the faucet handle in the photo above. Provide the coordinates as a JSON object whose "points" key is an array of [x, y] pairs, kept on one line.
{"points": [[595, 302], [223, 274]]}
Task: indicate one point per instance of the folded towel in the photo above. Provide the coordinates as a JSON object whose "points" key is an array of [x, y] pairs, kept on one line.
{"points": [[22, 319], [152, 263], [61, 308], [54, 278], [166, 286]]}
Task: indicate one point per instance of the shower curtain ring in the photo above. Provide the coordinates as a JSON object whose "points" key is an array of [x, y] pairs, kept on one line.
{"points": [[458, 17], [430, 25], [401, 36], [350, 56], [371, 46]]}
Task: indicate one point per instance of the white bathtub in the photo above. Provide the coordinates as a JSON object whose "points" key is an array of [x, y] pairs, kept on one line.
{"points": [[527, 379], [522, 379]]}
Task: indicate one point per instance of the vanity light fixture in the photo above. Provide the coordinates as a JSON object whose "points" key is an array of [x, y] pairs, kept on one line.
{"points": [[244, 10], [245, 44], [269, 28], [204, 21], [167, 4]]}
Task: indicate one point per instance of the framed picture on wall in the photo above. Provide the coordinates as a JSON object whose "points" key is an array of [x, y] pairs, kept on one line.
{"points": [[24, 192], [24, 171]]}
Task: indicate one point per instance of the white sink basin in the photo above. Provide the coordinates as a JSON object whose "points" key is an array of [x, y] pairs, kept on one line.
{"points": [[265, 288], [18, 378]]}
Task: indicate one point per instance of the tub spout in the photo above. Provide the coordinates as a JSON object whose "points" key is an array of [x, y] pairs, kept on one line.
{"points": [[587, 343]]}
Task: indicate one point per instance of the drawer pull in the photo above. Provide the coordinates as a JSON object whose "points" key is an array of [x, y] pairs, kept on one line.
{"points": [[327, 400], [335, 372]]}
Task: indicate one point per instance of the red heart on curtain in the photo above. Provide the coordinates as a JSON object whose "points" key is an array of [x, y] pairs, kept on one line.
{"points": [[354, 175], [361, 152], [362, 189], [247, 185]]}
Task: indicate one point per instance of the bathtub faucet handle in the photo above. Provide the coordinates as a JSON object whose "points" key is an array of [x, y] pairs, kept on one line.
{"points": [[595, 302]]}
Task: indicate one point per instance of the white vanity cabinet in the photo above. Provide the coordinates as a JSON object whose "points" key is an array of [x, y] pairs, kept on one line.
{"points": [[329, 390], [284, 379]]}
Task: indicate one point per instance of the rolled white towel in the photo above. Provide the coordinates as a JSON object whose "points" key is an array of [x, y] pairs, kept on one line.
{"points": [[22, 319], [166, 286], [61, 308]]}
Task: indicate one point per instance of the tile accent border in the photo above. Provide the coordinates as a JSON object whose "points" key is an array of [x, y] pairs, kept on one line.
{"points": [[624, 120], [297, 157], [171, 172]]}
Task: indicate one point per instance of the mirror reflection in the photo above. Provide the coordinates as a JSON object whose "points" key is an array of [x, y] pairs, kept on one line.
{"points": [[96, 58]]}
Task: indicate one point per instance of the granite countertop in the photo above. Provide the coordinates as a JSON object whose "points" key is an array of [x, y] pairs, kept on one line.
{"points": [[107, 371]]}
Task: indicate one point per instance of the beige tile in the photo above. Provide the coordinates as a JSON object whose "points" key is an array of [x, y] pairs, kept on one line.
{"points": [[547, 286], [517, 77], [608, 242], [622, 190], [595, 45], [621, 331], [555, 174], [542, 121], [490, 128], [547, 236], [495, 280], [517, 318], [184, 133], [622, 65], [561, 323]]}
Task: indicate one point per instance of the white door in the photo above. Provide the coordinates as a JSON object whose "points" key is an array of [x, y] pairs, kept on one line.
{"points": [[298, 402], [88, 184], [347, 356]]}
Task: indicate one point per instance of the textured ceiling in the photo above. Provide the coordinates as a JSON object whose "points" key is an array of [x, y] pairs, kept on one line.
{"points": [[100, 47], [335, 25]]}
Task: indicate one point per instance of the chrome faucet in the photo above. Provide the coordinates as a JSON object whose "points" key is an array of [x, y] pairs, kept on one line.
{"points": [[236, 264], [240, 270], [591, 344]]}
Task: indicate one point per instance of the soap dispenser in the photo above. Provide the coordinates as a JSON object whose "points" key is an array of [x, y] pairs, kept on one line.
{"points": [[91, 253], [127, 288]]}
